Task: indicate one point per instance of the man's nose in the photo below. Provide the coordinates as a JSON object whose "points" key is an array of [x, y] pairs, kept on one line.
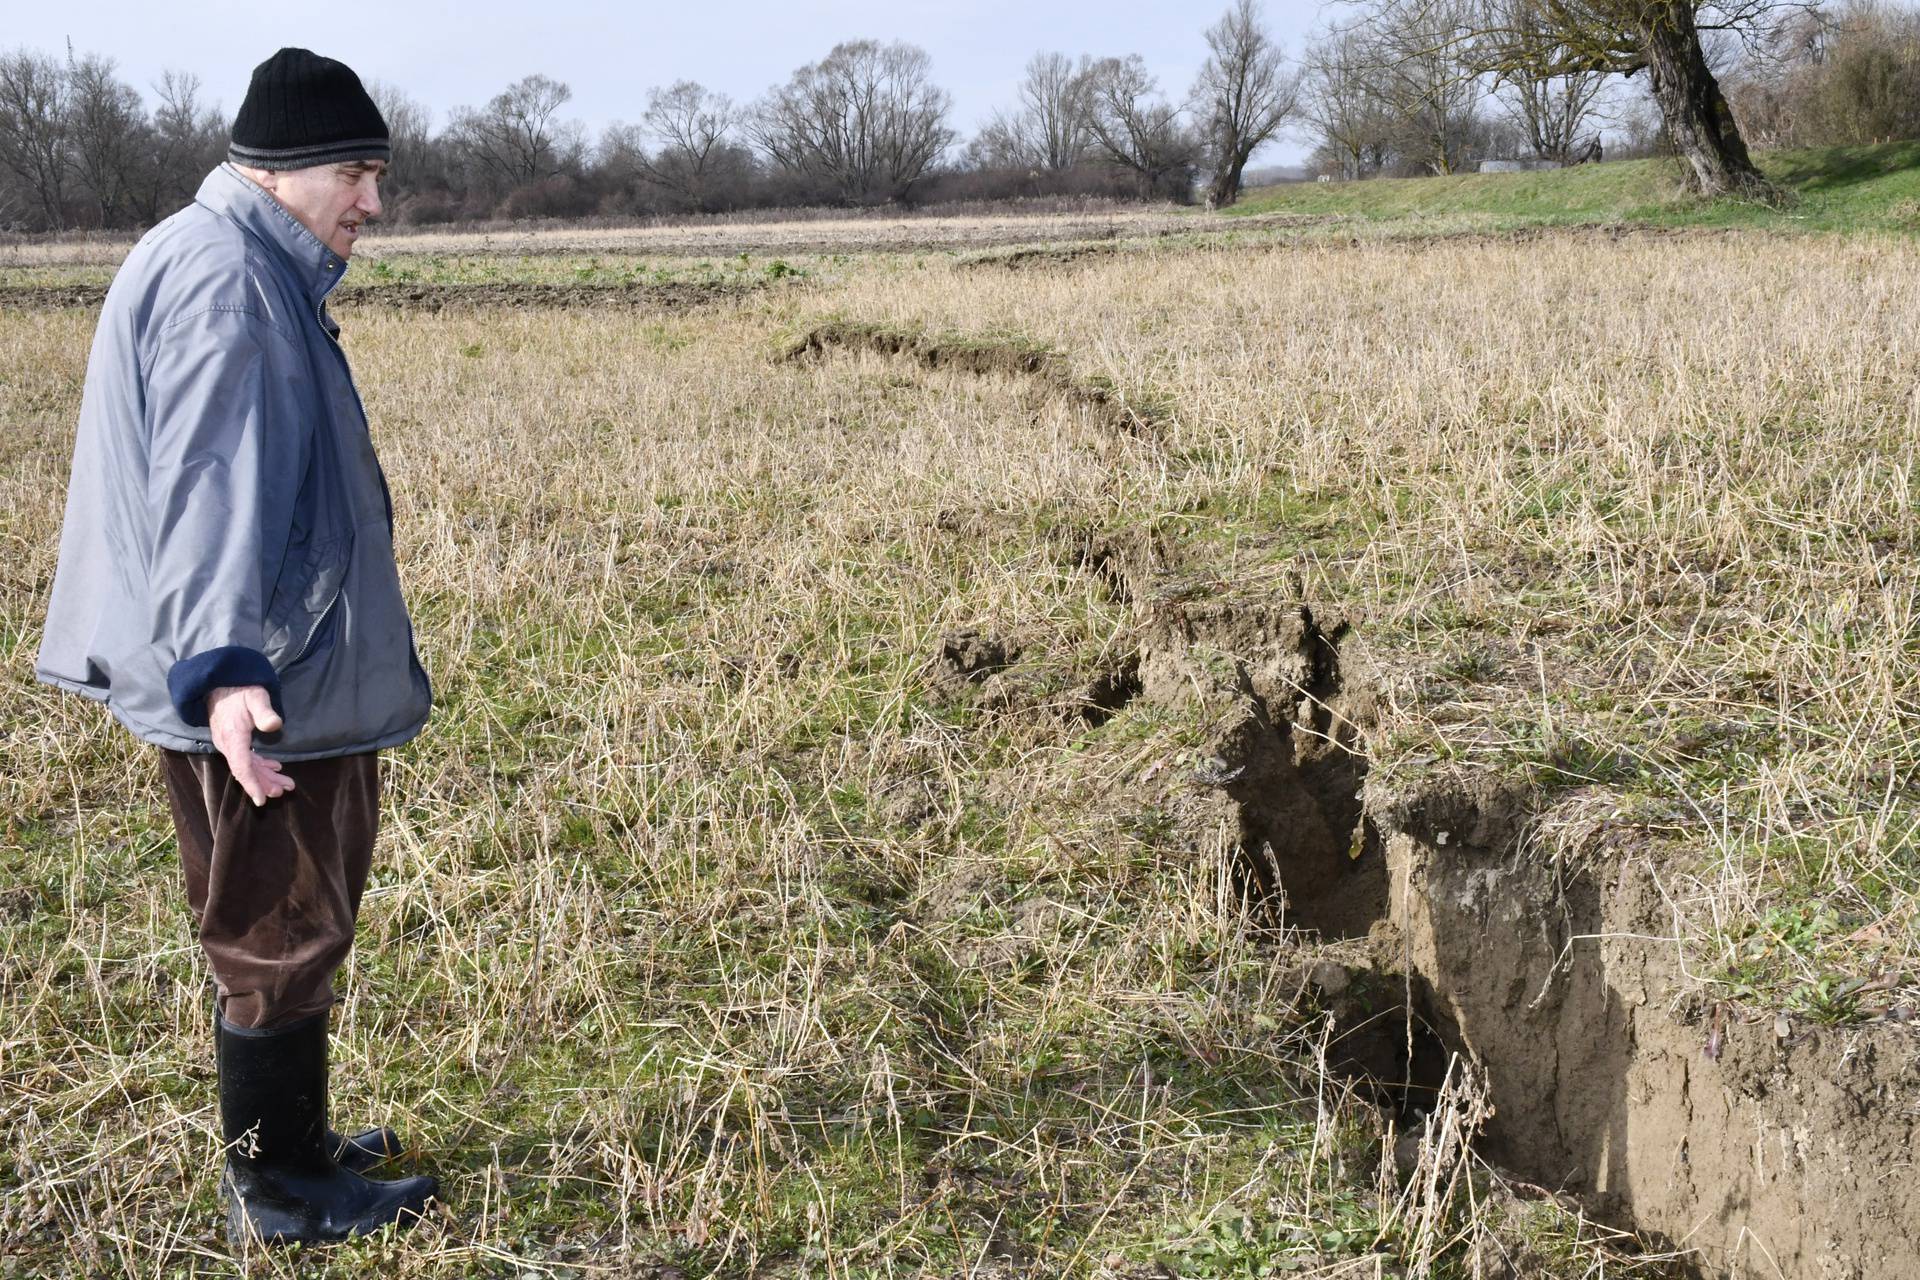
{"points": [[369, 200]]}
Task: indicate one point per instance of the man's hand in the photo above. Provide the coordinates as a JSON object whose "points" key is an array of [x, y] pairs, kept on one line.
{"points": [[233, 714]]}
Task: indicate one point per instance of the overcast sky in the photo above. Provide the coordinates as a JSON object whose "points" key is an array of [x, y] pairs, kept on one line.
{"points": [[446, 55]]}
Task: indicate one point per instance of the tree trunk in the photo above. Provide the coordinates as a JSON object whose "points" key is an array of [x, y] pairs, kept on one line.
{"points": [[1696, 115], [1225, 188]]}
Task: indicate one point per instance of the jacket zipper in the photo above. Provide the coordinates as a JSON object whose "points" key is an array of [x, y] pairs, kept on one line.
{"points": [[313, 632]]}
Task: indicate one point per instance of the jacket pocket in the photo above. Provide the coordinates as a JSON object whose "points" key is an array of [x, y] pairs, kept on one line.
{"points": [[304, 599]]}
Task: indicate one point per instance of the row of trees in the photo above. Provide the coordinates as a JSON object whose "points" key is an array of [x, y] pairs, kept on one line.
{"points": [[1109, 112], [866, 124], [1429, 86], [79, 147], [1405, 91], [1410, 80]]}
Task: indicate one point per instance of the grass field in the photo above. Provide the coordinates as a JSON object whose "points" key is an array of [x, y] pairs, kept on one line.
{"points": [[1824, 189], [719, 928]]}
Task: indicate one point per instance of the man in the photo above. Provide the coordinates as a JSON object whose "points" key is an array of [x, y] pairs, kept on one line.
{"points": [[227, 587]]}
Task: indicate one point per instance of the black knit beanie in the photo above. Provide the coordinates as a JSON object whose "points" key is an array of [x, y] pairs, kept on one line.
{"points": [[302, 110]]}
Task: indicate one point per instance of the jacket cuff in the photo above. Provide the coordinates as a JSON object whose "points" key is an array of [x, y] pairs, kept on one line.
{"points": [[191, 679]]}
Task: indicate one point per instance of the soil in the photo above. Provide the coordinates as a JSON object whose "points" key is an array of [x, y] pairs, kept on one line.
{"points": [[51, 297], [527, 295], [969, 656], [1771, 1154], [1029, 257]]}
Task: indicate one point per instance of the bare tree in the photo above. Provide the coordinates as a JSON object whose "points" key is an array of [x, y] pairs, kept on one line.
{"points": [[517, 139], [420, 161], [1244, 95], [33, 132], [184, 140], [865, 122], [1554, 111], [693, 126], [106, 133], [620, 156], [1134, 128], [1342, 97], [1770, 91], [1047, 130], [1428, 77], [409, 123], [1665, 38], [1845, 74]]}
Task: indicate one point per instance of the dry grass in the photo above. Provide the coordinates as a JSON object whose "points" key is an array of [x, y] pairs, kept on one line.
{"points": [[706, 935]]}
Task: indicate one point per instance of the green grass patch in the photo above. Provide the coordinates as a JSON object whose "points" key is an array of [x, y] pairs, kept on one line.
{"points": [[1827, 189]]}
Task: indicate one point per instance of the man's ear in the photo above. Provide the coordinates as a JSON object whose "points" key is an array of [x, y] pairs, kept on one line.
{"points": [[266, 179]]}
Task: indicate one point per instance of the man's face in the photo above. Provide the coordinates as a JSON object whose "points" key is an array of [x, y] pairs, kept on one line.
{"points": [[333, 201]]}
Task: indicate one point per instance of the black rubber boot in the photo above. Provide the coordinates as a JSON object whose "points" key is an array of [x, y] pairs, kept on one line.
{"points": [[368, 1149], [359, 1152], [282, 1183]]}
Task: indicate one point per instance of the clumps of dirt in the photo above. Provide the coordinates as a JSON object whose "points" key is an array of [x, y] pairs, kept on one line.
{"points": [[1286, 757], [678, 295], [972, 355], [969, 656], [1030, 257], [51, 297], [514, 295], [981, 355], [1125, 561], [908, 803], [21, 902]]}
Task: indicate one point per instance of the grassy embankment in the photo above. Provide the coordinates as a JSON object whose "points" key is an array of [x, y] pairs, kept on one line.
{"points": [[1826, 189]]}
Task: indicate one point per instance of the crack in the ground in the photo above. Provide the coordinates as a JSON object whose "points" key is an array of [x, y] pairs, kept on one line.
{"points": [[984, 355]]}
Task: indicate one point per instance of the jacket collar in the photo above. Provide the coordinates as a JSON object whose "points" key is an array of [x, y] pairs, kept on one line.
{"points": [[233, 195]]}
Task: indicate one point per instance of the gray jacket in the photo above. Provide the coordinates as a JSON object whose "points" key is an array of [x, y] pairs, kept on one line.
{"points": [[227, 522]]}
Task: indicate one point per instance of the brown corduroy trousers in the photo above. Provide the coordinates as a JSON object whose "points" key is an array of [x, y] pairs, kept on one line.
{"points": [[275, 889]]}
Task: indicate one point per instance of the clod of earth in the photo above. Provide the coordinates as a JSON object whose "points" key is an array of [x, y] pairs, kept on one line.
{"points": [[1110, 692], [969, 656]]}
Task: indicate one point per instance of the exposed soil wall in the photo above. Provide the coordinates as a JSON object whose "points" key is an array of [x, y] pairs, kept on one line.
{"points": [[1698, 1127], [1768, 1147]]}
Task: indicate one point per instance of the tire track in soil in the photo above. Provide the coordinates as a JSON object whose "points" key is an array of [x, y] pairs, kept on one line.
{"points": [[511, 295]]}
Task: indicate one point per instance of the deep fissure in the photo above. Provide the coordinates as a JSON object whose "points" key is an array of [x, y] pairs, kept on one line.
{"points": [[1553, 973]]}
